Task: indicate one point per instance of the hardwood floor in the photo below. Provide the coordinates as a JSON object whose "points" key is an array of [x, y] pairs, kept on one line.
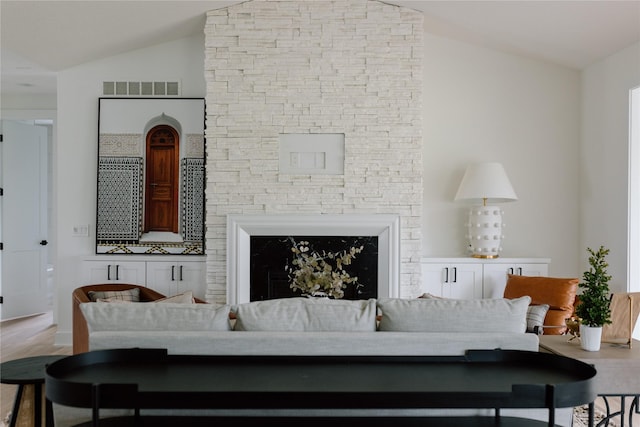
{"points": [[25, 337]]}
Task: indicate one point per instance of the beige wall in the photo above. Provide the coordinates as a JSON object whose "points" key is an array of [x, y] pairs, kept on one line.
{"points": [[604, 160], [484, 105]]}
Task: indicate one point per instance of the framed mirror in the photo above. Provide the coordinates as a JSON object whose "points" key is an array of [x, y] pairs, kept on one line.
{"points": [[151, 176]]}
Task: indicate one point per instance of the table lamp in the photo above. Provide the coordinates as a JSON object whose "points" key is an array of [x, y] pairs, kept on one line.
{"points": [[486, 182]]}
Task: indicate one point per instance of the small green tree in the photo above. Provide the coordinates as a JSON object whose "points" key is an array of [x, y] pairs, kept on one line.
{"points": [[594, 308]]}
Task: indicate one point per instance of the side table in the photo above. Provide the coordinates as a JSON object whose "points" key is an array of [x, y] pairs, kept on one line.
{"points": [[29, 372], [618, 369]]}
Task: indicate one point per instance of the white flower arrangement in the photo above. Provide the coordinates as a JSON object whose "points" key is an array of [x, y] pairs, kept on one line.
{"points": [[314, 273]]}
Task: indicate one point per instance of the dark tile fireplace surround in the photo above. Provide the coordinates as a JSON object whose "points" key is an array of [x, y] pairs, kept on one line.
{"points": [[270, 255]]}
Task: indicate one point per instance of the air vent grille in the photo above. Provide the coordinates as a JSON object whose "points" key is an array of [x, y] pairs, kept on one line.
{"points": [[140, 88]]}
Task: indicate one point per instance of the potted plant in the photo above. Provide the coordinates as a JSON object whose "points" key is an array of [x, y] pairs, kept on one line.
{"points": [[594, 308]]}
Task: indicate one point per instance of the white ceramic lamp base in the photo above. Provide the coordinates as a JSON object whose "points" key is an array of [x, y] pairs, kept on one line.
{"points": [[485, 231]]}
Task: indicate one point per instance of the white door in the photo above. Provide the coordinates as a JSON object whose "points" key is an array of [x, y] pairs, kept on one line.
{"points": [[23, 280]]}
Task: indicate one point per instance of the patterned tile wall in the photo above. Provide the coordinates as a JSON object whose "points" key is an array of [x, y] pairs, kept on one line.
{"points": [[119, 199]]}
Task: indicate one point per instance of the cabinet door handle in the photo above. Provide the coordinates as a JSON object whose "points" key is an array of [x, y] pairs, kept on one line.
{"points": [[109, 272], [117, 271], [446, 275], [510, 270], [173, 273], [181, 273], [519, 271], [455, 274]]}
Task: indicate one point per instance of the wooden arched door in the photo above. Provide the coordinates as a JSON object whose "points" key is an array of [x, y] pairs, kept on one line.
{"points": [[161, 183]]}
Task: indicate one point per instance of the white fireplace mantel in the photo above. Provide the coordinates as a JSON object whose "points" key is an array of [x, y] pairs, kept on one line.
{"points": [[240, 228]]}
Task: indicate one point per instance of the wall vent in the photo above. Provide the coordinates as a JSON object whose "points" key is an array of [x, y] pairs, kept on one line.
{"points": [[140, 88]]}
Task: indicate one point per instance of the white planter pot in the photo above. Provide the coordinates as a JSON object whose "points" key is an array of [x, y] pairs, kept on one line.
{"points": [[590, 337]]}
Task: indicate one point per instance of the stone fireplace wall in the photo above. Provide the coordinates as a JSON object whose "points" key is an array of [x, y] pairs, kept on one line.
{"points": [[349, 67]]}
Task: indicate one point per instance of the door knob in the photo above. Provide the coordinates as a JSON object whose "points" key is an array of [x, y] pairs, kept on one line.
{"points": [[44, 242]]}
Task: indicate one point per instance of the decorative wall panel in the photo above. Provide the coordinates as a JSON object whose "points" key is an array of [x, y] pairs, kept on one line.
{"points": [[128, 145], [192, 199], [119, 199], [194, 146]]}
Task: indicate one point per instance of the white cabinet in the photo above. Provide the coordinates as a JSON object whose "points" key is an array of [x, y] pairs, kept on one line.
{"points": [[496, 274], [167, 275], [466, 278], [172, 278], [453, 280], [113, 271]]}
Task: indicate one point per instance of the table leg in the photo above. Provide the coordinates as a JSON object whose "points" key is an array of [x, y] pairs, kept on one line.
{"points": [[16, 406], [48, 417], [592, 413], [37, 405]]}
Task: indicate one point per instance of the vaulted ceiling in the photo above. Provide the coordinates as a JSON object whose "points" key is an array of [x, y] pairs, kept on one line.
{"points": [[39, 38]]}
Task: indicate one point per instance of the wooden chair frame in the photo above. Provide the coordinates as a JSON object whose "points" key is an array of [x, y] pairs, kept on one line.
{"points": [[81, 295]]}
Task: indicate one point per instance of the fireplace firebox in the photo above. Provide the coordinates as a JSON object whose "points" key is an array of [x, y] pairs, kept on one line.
{"points": [[272, 259]]}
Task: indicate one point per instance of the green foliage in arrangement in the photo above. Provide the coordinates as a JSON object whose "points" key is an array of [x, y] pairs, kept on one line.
{"points": [[594, 308]]}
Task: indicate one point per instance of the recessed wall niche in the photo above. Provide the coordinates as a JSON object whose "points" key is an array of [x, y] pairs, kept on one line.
{"points": [[151, 176]]}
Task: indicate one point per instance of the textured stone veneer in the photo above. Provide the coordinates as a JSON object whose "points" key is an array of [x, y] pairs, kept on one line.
{"points": [[351, 67]]}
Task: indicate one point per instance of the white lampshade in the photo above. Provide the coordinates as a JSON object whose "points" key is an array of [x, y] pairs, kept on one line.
{"points": [[485, 182]]}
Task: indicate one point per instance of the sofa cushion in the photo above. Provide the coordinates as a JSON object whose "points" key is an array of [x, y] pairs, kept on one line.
{"points": [[156, 317], [535, 314], [260, 343], [449, 315], [306, 314], [535, 317], [129, 295]]}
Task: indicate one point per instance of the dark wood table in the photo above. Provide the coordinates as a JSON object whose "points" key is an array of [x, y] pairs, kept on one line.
{"points": [[24, 372], [151, 379]]}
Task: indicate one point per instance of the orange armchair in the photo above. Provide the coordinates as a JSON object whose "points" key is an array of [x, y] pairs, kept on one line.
{"points": [[559, 293]]}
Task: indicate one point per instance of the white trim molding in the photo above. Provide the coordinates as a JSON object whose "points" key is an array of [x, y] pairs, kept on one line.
{"points": [[240, 228]]}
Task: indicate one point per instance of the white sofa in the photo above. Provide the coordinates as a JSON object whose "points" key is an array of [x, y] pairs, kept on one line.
{"points": [[312, 326]]}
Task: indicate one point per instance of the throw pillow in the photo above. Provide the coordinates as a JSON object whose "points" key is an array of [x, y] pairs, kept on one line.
{"points": [[427, 295], [184, 298], [449, 315], [306, 314], [130, 295], [114, 300], [535, 318]]}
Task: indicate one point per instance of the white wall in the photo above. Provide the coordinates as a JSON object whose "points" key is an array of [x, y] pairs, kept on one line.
{"points": [[361, 80], [478, 105], [76, 153], [483, 105], [604, 158]]}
